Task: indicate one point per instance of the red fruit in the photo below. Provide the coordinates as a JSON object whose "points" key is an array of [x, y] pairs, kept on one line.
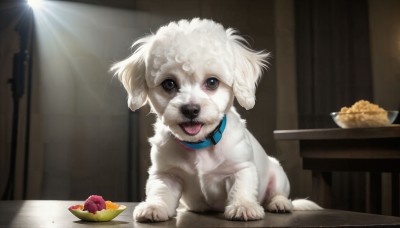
{"points": [[94, 203]]}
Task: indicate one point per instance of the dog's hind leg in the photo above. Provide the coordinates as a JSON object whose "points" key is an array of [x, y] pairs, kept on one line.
{"points": [[276, 197], [278, 204]]}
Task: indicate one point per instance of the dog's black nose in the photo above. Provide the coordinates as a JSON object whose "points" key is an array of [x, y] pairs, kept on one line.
{"points": [[190, 111]]}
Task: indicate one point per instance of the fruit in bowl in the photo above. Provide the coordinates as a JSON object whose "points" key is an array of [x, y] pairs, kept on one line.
{"points": [[96, 209], [363, 114]]}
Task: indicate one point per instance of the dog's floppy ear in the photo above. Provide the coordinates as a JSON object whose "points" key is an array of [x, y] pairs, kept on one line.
{"points": [[131, 72], [248, 69]]}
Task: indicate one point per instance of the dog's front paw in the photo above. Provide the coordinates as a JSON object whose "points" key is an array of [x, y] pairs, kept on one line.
{"points": [[279, 204], [244, 211], [150, 212]]}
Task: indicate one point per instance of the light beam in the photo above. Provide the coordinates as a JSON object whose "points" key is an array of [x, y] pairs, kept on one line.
{"points": [[35, 4]]}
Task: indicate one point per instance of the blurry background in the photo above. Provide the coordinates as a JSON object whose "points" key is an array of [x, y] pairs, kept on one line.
{"points": [[66, 131]]}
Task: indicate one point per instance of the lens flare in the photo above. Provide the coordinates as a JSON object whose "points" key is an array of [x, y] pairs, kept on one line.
{"points": [[35, 4]]}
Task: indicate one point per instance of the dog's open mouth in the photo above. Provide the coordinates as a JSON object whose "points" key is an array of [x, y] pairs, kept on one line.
{"points": [[191, 128]]}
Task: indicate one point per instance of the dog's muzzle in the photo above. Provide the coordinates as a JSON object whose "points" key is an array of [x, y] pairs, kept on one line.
{"points": [[191, 112]]}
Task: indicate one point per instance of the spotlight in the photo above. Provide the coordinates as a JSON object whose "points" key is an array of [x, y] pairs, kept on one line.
{"points": [[35, 4]]}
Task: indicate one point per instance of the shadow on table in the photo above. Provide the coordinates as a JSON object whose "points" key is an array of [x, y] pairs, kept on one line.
{"points": [[110, 223], [8, 209]]}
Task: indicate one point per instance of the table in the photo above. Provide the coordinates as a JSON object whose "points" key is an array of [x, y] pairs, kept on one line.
{"points": [[373, 150], [42, 213]]}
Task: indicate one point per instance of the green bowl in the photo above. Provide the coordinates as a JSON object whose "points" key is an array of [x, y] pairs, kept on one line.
{"points": [[100, 216]]}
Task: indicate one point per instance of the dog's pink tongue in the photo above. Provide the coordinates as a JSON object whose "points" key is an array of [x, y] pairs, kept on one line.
{"points": [[192, 128]]}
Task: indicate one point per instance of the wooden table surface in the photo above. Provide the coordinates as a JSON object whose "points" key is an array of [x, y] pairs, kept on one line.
{"points": [[392, 131], [39, 213]]}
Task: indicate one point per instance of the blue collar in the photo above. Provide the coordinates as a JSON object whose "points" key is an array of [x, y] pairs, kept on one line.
{"points": [[211, 140]]}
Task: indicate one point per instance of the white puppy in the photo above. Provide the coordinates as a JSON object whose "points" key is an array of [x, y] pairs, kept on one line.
{"points": [[202, 154]]}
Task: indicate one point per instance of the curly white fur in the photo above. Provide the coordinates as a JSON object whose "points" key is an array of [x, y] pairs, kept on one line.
{"points": [[179, 66]]}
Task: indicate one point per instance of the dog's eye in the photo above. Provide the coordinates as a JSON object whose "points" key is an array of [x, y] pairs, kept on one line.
{"points": [[169, 85], [212, 84]]}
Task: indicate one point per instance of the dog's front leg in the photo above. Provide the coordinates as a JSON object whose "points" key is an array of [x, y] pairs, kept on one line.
{"points": [[242, 198], [162, 197]]}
